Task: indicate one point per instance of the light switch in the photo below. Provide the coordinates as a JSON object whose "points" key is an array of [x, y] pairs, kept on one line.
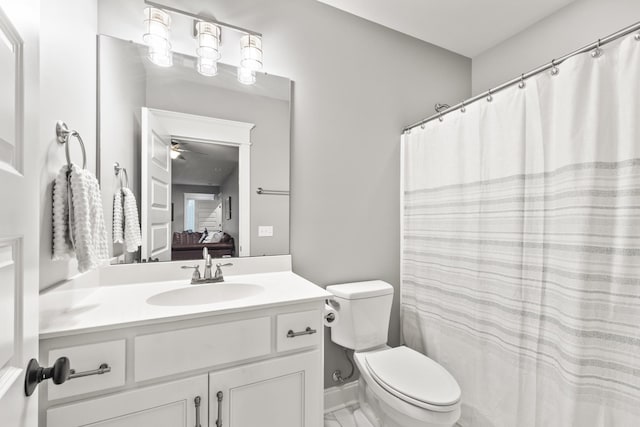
{"points": [[265, 231]]}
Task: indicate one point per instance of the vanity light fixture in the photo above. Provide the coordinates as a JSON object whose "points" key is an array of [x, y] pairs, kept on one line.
{"points": [[246, 76], [207, 32], [208, 50], [157, 25], [251, 52]]}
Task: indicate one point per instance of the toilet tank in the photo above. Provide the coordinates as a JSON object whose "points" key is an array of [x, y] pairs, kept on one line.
{"points": [[364, 309]]}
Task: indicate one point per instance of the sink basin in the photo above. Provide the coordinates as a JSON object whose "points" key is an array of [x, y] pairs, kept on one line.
{"points": [[205, 294]]}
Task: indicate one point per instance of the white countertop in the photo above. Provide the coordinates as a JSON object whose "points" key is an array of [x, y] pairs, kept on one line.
{"points": [[70, 311]]}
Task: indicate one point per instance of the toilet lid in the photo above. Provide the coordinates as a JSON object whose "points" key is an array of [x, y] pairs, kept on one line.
{"points": [[406, 373]]}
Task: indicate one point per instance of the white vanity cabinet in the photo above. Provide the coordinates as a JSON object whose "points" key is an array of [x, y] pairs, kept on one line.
{"points": [[276, 393], [265, 364]]}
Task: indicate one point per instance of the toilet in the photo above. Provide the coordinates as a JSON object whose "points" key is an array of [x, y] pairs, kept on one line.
{"points": [[399, 387]]}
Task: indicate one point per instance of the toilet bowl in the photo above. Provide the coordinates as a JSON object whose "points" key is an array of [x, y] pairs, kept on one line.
{"points": [[399, 387], [404, 388]]}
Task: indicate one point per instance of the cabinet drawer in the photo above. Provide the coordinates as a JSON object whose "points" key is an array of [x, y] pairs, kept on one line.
{"points": [[87, 358], [166, 353], [302, 326]]}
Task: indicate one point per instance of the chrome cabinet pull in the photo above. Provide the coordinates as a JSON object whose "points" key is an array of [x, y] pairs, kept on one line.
{"points": [[102, 369], [219, 420], [307, 331], [197, 401]]}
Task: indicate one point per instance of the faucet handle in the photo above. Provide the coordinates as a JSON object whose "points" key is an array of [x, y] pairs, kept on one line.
{"points": [[218, 274], [196, 272], [228, 264]]}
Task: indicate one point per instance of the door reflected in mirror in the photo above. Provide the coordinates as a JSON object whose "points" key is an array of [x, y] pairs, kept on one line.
{"points": [[196, 150], [202, 177]]}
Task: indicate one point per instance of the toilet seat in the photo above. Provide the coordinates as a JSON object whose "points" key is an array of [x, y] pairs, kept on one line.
{"points": [[414, 378]]}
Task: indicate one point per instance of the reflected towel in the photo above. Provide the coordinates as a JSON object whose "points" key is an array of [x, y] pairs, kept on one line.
{"points": [[118, 218], [132, 237]]}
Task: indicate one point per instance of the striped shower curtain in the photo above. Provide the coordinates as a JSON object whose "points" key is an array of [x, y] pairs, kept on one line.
{"points": [[521, 247]]}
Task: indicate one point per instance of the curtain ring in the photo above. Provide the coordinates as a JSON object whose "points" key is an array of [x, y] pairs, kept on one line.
{"points": [[489, 96], [422, 126], [637, 37], [554, 69], [522, 83], [597, 52], [463, 109], [440, 117]]}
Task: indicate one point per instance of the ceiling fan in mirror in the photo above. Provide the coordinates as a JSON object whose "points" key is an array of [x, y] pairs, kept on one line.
{"points": [[177, 148]]}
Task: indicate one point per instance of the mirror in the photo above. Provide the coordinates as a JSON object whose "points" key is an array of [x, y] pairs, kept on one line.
{"points": [[194, 151]]}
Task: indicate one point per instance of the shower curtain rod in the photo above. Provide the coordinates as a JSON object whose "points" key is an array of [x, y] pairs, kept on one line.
{"points": [[555, 62]]}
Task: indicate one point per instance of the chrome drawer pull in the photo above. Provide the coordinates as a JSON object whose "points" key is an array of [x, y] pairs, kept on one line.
{"points": [[197, 401], [219, 420], [103, 369], [307, 331]]}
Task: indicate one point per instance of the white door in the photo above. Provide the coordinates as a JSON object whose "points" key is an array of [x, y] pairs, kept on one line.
{"points": [[156, 189], [282, 392], [19, 191], [181, 403]]}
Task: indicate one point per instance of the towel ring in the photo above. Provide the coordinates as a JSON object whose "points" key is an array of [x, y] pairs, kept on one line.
{"points": [[63, 133]]}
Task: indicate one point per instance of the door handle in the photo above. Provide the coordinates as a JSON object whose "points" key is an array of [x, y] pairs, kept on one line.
{"points": [[35, 374]]}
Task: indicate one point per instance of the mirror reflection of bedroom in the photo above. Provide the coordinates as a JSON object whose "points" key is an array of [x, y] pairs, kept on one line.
{"points": [[204, 187]]}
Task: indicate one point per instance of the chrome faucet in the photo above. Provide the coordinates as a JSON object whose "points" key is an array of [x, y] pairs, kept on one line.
{"points": [[196, 279]]}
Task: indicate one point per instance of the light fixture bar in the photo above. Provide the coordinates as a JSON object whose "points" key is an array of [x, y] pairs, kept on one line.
{"points": [[201, 18]]}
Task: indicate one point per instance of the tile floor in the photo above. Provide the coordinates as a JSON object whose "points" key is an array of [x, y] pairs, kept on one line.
{"points": [[346, 417]]}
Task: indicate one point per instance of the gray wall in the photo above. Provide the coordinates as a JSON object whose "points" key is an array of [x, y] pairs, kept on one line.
{"points": [[572, 27], [177, 198], [356, 84], [269, 147], [122, 95], [67, 92]]}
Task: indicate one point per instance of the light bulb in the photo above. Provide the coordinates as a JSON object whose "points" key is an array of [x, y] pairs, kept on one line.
{"points": [[246, 76], [207, 66], [161, 57]]}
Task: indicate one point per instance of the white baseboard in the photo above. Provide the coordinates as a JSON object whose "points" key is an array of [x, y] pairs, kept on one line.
{"points": [[341, 396]]}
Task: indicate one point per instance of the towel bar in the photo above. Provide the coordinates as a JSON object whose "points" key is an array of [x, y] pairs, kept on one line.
{"points": [[264, 192]]}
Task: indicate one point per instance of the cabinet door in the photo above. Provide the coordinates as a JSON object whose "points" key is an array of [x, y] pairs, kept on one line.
{"points": [[171, 404], [282, 392]]}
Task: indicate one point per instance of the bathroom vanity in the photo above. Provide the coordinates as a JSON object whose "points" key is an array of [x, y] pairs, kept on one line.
{"points": [[243, 353]]}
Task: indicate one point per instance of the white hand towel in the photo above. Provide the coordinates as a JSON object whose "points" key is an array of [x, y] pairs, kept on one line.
{"points": [[132, 237], [89, 230], [118, 218], [62, 247]]}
